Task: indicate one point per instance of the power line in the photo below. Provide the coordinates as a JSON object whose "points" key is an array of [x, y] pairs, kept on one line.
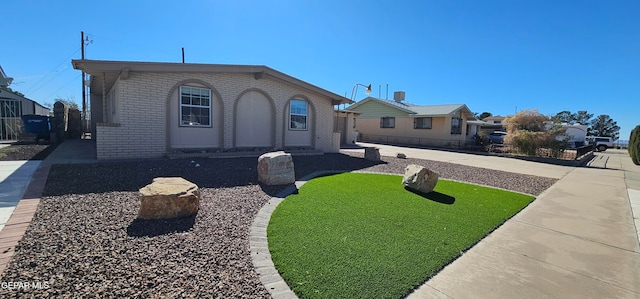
{"points": [[52, 71], [50, 79], [63, 86]]}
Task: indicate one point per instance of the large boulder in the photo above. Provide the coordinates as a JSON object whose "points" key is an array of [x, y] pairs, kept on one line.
{"points": [[372, 154], [171, 197], [276, 168], [418, 178]]}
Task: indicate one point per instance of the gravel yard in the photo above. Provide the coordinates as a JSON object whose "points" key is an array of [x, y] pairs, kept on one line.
{"points": [[84, 239], [15, 152]]}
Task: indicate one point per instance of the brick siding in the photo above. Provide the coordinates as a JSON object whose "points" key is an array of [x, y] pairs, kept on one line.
{"points": [[142, 103]]}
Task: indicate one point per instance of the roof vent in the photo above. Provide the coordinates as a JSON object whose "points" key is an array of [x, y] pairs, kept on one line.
{"points": [[398, 96]]}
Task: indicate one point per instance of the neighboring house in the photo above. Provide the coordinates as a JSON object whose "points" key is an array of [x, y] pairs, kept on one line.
{"points": [[491, 124], [398, 122], [150, 109], [478, 127], [496, 120], [12, 107]]}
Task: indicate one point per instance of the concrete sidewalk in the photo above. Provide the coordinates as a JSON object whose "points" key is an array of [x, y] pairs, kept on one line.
{"points": [[14, 179], [21, 186], [15, 176], [576, 240]]}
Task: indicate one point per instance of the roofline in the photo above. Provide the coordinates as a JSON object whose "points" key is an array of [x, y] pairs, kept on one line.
{"points": [[96, 67], [28, 99], [411, 112], [480, 122], [382, 102], [5, 80], [348, 111]]}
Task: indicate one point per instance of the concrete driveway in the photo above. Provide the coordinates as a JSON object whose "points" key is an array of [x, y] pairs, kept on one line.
{"points": [[477, 160]]}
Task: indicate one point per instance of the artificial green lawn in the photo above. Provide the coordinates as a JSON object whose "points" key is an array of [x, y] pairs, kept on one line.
{"points": [[360, 235]]}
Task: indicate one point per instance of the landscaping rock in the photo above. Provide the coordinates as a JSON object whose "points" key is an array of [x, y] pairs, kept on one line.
{"points": [[419, 178], [401, 156], [372, 154], [276, 168], [171, 197], [101, 257]]}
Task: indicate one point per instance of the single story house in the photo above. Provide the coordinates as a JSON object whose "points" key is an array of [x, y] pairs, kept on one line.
{"points": [[496, 120], [12, 107], [399, 122], [150, 109], [493, 123]]}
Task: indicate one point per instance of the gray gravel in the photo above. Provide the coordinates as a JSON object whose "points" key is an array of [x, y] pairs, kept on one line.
{"points": [[85, 241]]}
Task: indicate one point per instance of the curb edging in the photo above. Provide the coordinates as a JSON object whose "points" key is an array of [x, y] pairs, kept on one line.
{"points": [[259, 245]]}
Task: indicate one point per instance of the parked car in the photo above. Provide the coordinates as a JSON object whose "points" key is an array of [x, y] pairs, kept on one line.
{"points": [[601, 143], [497, 137]]}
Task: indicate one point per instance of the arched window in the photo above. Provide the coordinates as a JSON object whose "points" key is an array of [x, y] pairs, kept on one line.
{"points": [[298, 115], [195, 106]]}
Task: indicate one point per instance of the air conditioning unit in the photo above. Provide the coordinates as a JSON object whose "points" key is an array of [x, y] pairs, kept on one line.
{"points": [[398, 96]]}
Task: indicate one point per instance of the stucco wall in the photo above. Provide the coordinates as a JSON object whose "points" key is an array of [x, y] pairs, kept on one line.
{"points": [[254, 120], [440, 128], [301, 138], [371, 112], [183, 137], [144, 106]]}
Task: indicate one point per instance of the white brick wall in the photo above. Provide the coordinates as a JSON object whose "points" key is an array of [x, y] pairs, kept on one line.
{"points": [[141, 112]]}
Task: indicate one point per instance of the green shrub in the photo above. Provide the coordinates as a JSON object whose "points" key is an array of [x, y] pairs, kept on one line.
{"points": [[634, 145]]}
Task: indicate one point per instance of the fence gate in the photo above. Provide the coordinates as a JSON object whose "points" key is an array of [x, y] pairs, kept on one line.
{"points": [[10, 122]]}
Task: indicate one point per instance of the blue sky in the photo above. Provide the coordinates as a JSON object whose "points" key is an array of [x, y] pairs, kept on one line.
{"points": [[494, 56]]}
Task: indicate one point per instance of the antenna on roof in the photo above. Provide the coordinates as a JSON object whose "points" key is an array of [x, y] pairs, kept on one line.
{"points": [[182, 54], [387, 98]]}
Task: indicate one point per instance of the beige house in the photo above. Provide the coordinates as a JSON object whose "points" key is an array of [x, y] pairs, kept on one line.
{"points": [[493, 123], [496, 120], [149, 109], [399, 122]]}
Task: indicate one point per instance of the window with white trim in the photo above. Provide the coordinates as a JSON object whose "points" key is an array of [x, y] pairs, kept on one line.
{"points": [[195, 106], [298, 113], [387, 122], [422, 123]]}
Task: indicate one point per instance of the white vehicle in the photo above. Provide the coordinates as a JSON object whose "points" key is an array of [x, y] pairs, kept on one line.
{"points": [[576, 134], [601, 143]]}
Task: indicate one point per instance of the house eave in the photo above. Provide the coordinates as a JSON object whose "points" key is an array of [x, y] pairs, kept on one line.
{"points": [[115, 68], [368, 99]]}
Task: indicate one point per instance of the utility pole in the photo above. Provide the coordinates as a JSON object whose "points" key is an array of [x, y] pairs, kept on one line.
{"points": [[84, 88]]}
